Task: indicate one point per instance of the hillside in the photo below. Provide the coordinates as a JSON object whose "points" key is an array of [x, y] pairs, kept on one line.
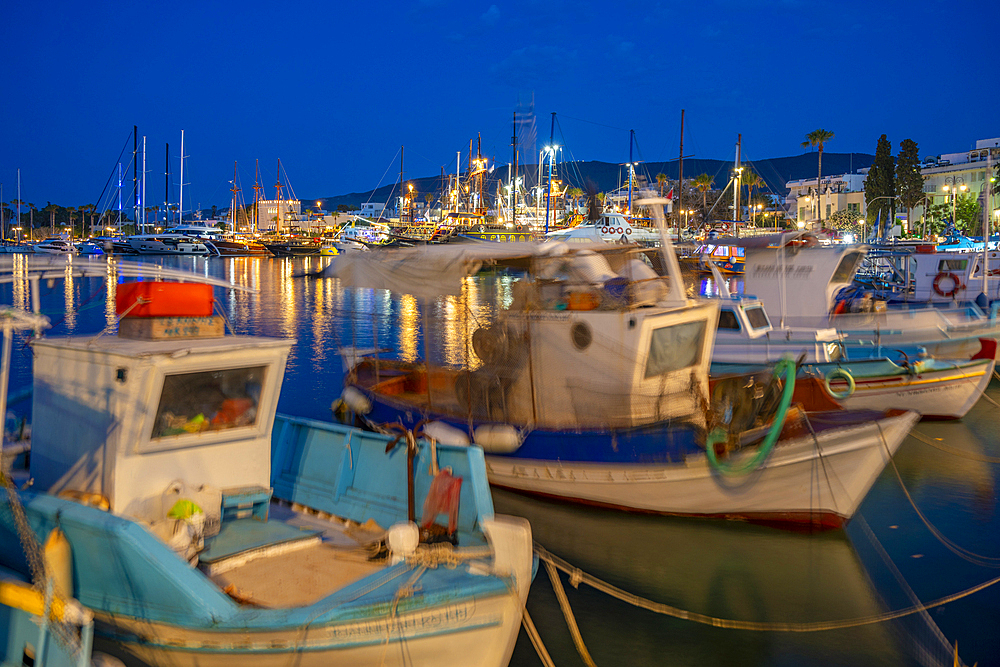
{"points": [[607, 176]]}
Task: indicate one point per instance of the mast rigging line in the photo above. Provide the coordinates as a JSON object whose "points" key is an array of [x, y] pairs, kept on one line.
{"points": [[111, 176]]}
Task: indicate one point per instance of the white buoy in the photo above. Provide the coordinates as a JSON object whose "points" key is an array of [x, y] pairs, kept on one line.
{"points": [[497, 438], [446, 434], [403, 539], [356, 401]]}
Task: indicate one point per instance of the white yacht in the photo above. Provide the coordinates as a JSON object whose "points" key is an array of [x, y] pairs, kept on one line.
{"points": [[55, 246], [167, 244], [611, 227]]}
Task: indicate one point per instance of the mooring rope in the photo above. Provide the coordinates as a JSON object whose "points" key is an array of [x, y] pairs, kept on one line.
{"points": [[952, 450], [579, 576], [961, 552]]}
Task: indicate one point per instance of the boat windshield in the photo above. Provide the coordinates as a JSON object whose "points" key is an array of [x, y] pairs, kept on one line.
{"points": [[208, 401]]}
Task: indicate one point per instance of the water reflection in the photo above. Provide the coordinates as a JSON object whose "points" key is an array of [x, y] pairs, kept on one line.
{"points": [[720, 569]]}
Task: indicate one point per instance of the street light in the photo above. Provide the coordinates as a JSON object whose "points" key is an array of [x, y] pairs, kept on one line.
{"points": [[954, 190]]}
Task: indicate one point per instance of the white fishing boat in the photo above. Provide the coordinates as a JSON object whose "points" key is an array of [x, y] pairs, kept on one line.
{"points": [[937, 388], [214, 533], [592, 385], [609, 227]]}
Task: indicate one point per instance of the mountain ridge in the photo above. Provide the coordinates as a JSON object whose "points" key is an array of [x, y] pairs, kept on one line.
{"points": [[775, 172]]}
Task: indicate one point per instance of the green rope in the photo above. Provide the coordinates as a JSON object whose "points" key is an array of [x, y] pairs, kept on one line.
{"points": [[719, 435]]}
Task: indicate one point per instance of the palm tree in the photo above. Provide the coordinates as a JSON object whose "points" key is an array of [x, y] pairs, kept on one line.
{"points": [[661, 180], [817, 138], [752, 180], [703, 184]]}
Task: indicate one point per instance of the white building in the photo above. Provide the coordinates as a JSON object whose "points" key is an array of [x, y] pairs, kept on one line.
{"points": [[847, 191], [275, 215]]}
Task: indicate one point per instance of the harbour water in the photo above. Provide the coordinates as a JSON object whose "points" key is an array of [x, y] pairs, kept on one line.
{"points": [[928, 529]]}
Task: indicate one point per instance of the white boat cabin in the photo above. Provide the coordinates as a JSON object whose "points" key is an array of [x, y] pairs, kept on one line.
{"points": [[122, 419]]}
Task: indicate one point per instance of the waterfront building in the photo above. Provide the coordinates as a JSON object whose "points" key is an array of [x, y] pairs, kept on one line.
{"points": [[847, 191], [274, 214]]}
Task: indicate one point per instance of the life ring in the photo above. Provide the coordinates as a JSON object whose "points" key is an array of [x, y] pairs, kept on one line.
{"points": [[519, 228], [604, 230], [482, 228], [628, 230], [620, 231], [841, 373], [956, 279]]}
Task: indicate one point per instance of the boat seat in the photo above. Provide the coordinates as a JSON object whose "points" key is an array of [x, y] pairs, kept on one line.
{"points": [[245, 502], [241, 541]]}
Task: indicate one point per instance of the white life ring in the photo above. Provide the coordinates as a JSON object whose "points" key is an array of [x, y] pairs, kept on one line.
{"points": [[843, 374]]}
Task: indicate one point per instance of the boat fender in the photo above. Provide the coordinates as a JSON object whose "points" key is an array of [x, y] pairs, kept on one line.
{"points": [[356, 401], [58, 556], [956, 284], [841, 373], [446, 434], [497, 438], [403, 539]]}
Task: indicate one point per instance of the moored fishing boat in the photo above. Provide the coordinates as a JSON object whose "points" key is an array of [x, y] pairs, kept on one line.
{"points": [[592, 386], [179, 552]]}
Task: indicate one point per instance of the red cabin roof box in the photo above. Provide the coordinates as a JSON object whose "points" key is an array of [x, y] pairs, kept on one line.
{"points": [[158, 299]]}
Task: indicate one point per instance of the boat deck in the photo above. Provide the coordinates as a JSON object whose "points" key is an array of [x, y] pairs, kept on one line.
{"points": [[292, 560]]}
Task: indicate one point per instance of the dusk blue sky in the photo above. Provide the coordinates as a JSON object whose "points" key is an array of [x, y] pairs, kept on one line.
{"points": [[334, 88]]}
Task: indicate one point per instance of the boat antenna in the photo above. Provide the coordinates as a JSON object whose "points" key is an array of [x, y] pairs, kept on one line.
{"points": [[680, 179], [256, 197]]}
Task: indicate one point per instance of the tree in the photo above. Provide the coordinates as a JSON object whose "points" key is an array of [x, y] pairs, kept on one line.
{"points": [[909, 182], [845, 220], [752, 181], [661, 179], [880, 187], [818, 138], [703, 184]]}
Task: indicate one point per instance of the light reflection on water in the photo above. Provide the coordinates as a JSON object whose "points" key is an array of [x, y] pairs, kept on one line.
{"points": [[716, 568]]}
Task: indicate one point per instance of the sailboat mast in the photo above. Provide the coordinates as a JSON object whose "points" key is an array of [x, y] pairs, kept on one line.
{"points": [[180, 199], [631, 136], [680, 180], [458, 179], [142, 204], [402, 195], [135, 174], [232, 205], [277, 186], [166, 188], [736, 183], [256, 197], [513, 182]]}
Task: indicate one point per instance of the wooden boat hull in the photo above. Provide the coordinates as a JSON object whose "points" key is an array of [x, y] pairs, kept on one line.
{"points": [[473, 632], [818, 481]]}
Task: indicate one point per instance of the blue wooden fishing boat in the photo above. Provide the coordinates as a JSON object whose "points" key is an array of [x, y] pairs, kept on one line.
{"points": [[200, 529]]}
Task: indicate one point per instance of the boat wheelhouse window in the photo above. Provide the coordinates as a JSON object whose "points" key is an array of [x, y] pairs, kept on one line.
{"points": [[847, 267], [741, 251], [953, 264], [675, 347], [728, 320], [208, 401], [757, 317], [721, 251]]}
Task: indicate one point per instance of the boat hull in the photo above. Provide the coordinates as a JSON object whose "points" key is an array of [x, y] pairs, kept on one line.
{"points": [[818, 481], [944, 394], [471, 632]]}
